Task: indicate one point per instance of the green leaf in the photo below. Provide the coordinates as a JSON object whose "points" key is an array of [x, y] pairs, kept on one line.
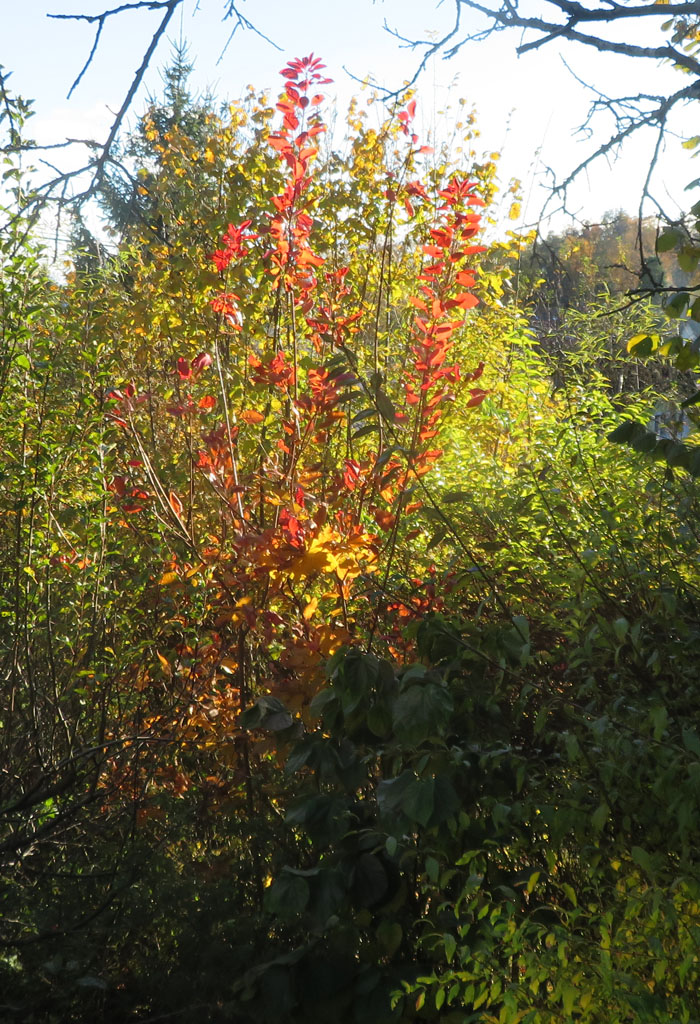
{"points": [[327, 895], [437, 537], [379, 720], [386, 407], [432, 869], [674, 453], [621, 627], [670, 347], [659, 720], [418, 801], [420, 712], [288, 896], [389, 936], [642, 345], [568, 998], [299, 756], [691, 741], [446, 800], [627, 432], [278, 721], [674, 307], [687, 358], [688, 258], [370, 881], [693, 400], [355, 676], [364, 415], [642, 858], [266, 713], [450, 944], [600, 816], [570, 893], [532, 881], [668, 240], [390, 793], [321, 701]]}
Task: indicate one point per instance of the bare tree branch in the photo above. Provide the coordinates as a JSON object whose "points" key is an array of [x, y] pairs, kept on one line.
{"points": [[657, 116], [95, 167], [431, 48], [242, 22], [507, 16], [99, 20], [593, 26], [170, 8]]}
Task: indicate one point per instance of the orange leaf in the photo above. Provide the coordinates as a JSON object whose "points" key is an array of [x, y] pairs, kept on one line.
{"points": [[384, 519], [252, 416], [465, 300], [175, 504]]}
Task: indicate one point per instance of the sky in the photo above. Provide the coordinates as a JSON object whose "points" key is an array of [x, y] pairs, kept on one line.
{"points": [[528, 108]]}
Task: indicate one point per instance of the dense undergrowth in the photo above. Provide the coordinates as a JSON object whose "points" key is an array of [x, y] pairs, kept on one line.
{"points": [[349, 671]]}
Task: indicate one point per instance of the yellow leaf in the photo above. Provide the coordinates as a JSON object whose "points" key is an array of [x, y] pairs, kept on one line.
{"points": [[168, 577], [164, 664], [310, 609]]}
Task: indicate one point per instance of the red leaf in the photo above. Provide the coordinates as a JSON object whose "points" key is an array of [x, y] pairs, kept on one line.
{"points": [[221, 258], [478, 395], [201, 361], [118, 486], [292, 529], [352, 474]]}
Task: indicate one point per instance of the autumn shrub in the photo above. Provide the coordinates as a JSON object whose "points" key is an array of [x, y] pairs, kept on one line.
{"points": [[348, 649]]}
